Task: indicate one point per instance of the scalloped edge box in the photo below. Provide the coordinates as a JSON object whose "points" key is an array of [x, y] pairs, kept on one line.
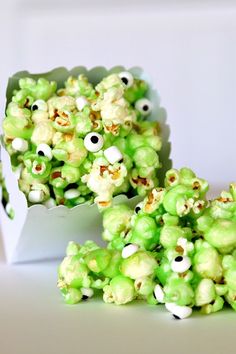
{"points": [[37, 233]]}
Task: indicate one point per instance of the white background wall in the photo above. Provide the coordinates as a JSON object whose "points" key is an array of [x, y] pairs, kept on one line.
{"points": [[187, 47]]}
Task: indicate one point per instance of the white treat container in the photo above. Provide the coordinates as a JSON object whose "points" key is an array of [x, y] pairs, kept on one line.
{"points": [[37, 233]]}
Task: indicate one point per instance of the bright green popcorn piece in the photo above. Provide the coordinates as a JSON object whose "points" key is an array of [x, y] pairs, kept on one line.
{"points": [[120, 291]]}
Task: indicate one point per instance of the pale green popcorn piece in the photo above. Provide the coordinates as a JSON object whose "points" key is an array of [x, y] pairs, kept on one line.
{"points": [[120, 291], [207, 262], [116, 221], [108, 82], [72, 249], [72, 296], [40, 89], [140, 264], [216, 306], [144, 286], [83, 124], [73, 272], [205, 292], [170, 235], [220, 233], [43, 133]]}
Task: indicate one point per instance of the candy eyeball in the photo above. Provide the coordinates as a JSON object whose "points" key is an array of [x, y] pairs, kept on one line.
{"points": [[144, 106], [44, 150], [19, 144], [113, 155], [179, 312], [180, 264], [40, 105], [35, 196], [129, 250], [93, 142], [158, 293], [72, 193], [81, 102], [138, 208], [126, 78]]}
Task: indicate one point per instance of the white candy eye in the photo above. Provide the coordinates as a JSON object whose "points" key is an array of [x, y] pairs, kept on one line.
{"points": [[44, 150], [50, 203], [19, 144], [138, 208], [71, 193], [158, 293], [93, 142], [129, 249], [126, 78], [81, 102], [113, 154], [36, 196], [40, 105], [87, 293], [144, 106], [179, 312], [180, 264]]}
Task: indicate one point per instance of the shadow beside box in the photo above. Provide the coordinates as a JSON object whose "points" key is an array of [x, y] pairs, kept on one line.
{"points": [[37, 233]]}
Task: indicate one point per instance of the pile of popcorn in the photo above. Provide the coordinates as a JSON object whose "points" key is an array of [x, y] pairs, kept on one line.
{"points": [[176, 248], [82, 143]]}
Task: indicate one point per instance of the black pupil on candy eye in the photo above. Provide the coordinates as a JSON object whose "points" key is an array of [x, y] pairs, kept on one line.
{"points": [[179, 259], [85, 297], [34, 107], [40, 153], [137, 209], [125, 80], [176, 317], [94, 139], [145, 108]]}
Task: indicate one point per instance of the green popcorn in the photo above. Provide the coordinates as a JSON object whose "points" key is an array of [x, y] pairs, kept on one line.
{"points": [[72, 152], [72, 296], [138, 265], [216, 306], [145, 158], [145, 232], [113, 268], [205, 293], [142, 184], [136, 91], [170, 234], [116, 222], [40, 89], [120, 291], [178, 291], [84, 124], [98, 260], [17, 123], [38, 166], [79, 87], [220, 233], [56, 178], [74, 273], [207, 261], [144, 286]]}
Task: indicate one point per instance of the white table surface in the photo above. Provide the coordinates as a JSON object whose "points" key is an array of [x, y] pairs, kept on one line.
{"points": [[34, 320]]}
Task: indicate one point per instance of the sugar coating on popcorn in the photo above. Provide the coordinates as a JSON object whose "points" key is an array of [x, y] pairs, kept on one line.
{"points": [[92, 138]]}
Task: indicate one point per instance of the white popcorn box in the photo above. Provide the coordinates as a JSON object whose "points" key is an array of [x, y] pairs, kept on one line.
{"points": [[37, 233]]}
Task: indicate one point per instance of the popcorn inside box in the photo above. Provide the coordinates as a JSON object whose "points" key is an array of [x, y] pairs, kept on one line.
{"points": [[74, 143]]}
